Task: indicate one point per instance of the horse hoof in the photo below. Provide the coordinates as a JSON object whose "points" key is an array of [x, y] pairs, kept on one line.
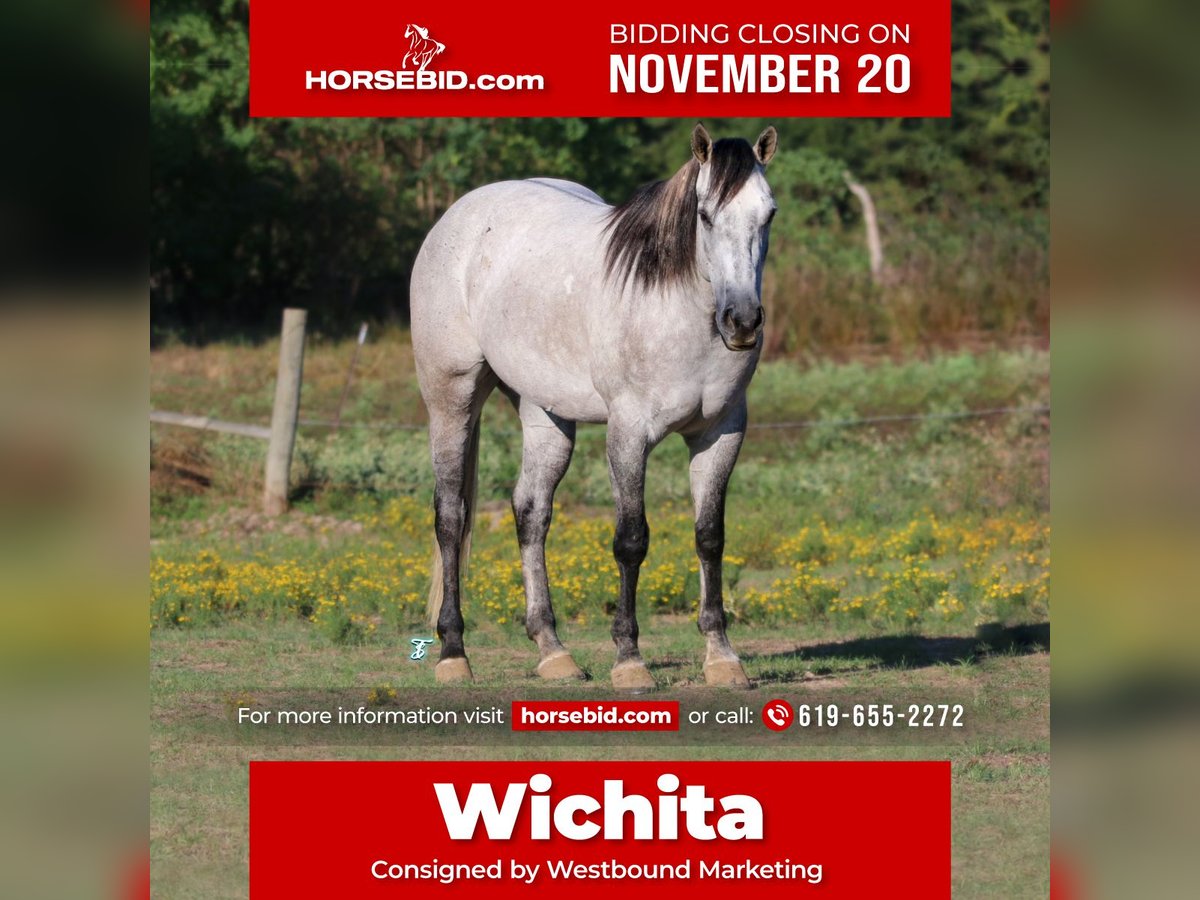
{"points": [[633, 677], [452, 670], [725, 673], [559, 667]]}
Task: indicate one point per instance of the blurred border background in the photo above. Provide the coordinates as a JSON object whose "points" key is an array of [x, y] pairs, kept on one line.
{"points": [[74, 184], [1125, 483]]}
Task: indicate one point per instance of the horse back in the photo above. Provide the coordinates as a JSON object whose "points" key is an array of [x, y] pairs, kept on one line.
{"points": [[571, 188]]}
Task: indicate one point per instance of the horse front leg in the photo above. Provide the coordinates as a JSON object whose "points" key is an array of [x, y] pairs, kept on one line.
{"points": [[713, 454], [627, 452]]}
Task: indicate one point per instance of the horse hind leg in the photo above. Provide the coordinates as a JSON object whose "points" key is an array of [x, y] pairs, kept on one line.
{"points": [[454, 412], [546, 453]]}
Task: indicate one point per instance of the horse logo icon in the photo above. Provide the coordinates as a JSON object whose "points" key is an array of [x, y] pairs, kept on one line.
{"points": [[421, 48]]}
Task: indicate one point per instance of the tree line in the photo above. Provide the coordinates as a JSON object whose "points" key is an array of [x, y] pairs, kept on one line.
{"points": [[250, 215]]}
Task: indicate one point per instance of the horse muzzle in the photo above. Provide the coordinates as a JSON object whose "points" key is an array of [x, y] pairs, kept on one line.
{"points": [[740, 330]]}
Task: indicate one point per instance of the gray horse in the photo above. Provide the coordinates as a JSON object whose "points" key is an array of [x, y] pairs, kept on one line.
{"points": [[647, 316]]}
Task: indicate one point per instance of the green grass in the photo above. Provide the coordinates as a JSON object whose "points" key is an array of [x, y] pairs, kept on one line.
{"points": [[999, 762], [809, 510]]}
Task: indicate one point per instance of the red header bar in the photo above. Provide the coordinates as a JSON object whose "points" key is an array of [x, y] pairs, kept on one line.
{"points": [[623, 58], [600, 715], [515, 829]]}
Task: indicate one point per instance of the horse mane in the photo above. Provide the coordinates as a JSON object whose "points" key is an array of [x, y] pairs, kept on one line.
{"points": [[652, 235]]}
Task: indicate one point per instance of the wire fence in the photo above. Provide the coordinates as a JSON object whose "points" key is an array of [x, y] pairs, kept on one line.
{"points": [[305, 484], [209, 423], [1037, 409], [281, 434]]}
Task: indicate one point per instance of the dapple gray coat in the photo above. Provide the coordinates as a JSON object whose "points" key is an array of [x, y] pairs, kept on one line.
{"points": [[647, 317]]}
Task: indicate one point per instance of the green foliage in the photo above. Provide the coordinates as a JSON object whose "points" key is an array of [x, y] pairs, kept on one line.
{"points": [[252, 214], [249, 215]]}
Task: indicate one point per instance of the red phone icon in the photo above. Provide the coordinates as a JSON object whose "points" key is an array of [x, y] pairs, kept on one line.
{"points": [[777, 715]]}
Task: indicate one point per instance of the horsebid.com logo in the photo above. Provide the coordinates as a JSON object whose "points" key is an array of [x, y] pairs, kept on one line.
{"points": [[422, 48], [413, 74]]}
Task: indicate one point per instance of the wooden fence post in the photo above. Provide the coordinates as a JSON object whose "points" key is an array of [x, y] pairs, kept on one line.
{"points": [[286, 412]]}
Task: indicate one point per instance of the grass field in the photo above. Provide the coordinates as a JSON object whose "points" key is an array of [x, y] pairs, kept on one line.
{"points": [[895, 562]]}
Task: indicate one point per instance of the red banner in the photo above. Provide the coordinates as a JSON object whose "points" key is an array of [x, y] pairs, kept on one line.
{"points": [[510, 829], [697, 59]]}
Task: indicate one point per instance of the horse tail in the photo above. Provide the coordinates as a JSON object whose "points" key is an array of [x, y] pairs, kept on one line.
{"points": [[470, 490]]}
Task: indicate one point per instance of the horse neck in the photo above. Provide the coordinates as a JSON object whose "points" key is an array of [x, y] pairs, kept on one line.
{"points": [[693, 298], [689, 300]]}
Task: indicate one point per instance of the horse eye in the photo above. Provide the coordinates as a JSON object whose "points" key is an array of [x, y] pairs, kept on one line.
{"points": [[705, 219], [771, 214]]}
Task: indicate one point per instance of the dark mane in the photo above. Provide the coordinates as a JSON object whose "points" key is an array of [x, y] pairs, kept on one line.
{"points": [[652, 235]]}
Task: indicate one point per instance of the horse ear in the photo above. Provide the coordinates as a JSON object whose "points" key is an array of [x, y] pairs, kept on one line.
{"points": [[701, 144], [765, 146]]}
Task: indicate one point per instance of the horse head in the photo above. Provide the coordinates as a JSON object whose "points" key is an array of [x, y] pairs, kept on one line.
{"points": [[734, 209]]}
